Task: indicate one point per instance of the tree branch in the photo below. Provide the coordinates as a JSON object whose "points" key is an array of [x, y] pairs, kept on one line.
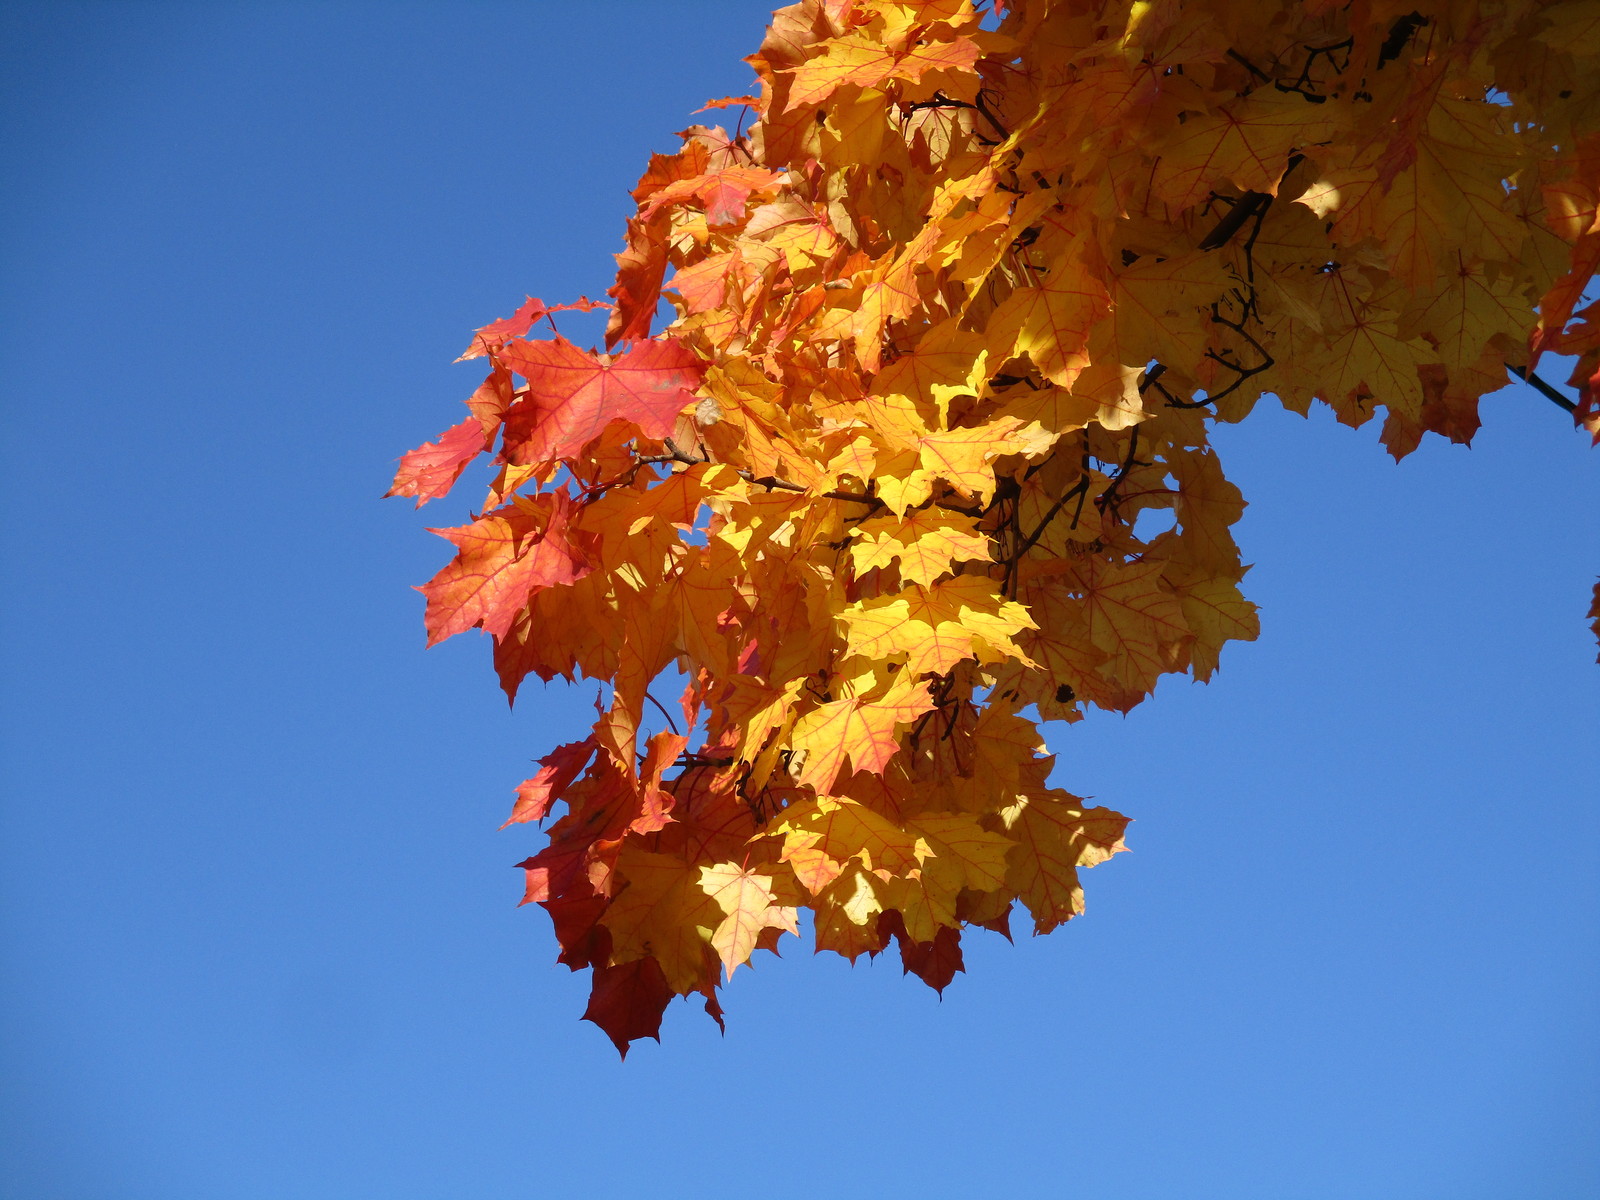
{"points": [[676, 454], [1541, 386], [1250, 204], [1249, 66], [1076, 491]]}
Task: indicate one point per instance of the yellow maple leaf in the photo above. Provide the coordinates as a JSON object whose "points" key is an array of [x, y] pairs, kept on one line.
{"points": [[1050, 320], [959, 854], [937, 626], [855, 730], [662, 910], [925, 544], [946, 362], [1054, 835], [821, 837], [747, 900]]}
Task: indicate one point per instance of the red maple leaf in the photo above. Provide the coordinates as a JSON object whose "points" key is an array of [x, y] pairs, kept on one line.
{"points": [[628, 1000], [556, 772], [722, 193], [503, 558], [495, 334], [574, 394], [431, 470]]}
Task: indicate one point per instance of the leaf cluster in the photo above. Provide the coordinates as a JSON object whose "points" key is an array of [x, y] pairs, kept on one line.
{"points": [[922, 457]]}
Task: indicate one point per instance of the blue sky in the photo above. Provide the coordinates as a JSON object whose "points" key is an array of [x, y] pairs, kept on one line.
{"points": [[259, 930]]}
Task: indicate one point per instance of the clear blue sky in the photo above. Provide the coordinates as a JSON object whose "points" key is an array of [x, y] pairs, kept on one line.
{"points": [[259, 929]]}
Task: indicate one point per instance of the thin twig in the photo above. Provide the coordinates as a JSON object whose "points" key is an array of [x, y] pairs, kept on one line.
{"points": [[1541, 386], [1249, 66], [1108, 499], [1077, 491], [776, 483], [663, 712]]}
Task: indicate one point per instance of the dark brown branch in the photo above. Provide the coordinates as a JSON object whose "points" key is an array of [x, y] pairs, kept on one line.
{"points": [[940, 100], [1152, 379], [693, 758], [1400, 35], [775, 483], [991, 118], [1150, 376], [1245, 207], [678, 455], [1174, 402], [1077, 490], [1302, 85], [1013, 525], [938, 693], [1108, 499], [1248, 206], [1005, 381], [1244, 373], [1249, 66], [1543, 387]]}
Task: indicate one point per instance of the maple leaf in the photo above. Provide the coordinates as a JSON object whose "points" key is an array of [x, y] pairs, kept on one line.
{"points": [[556, 771], [935, 962], [727, 102], [924, 543], [937, 626], [1053, 837], [723, 194], [573, 395], [495, 334], [955, 314], [492, 336], [502, 559], [962, 856], [822, 838], [746, 898], [863, 62], [641, 268], [662, 911], [1050, 321], [431, 470], [1594, 615], [855, 730], [628, 1000]]}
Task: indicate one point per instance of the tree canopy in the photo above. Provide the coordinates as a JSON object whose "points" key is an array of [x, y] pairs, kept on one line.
{"points": [[921, 458]]}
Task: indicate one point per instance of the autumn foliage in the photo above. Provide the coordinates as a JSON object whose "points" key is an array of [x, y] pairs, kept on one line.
{"points": [[920, 458]]}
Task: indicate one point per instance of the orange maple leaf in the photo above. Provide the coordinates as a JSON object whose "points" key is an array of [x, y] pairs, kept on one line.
{"points": [[863, 63], [723, 194]]}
